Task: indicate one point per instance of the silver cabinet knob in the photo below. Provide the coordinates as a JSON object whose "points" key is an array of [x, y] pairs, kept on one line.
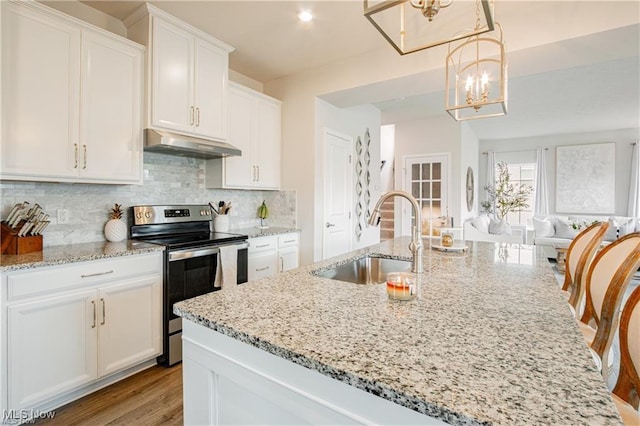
{"points": [[329, 225]]}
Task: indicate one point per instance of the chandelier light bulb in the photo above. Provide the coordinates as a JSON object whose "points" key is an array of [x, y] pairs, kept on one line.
{"points": [[305, 16]]}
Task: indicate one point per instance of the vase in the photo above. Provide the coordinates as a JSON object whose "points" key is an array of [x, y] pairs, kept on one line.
{"points": [[221, 223], [115, 230]]}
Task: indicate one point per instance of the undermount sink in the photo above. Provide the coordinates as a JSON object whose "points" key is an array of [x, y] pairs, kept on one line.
{"points": [[366, 270]]}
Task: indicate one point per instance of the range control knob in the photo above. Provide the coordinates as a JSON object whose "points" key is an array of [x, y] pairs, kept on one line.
{"points": [[139, 215], [147, 215]]}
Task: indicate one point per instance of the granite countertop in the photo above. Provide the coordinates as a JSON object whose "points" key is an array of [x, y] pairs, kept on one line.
{"points": [[254, 232], [489, 340], [60, 255]]}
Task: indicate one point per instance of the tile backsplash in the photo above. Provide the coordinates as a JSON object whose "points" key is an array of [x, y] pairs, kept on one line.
{"points": [[168, 179]]}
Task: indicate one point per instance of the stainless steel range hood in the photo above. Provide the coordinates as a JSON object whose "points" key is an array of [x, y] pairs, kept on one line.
{"points": [[187, 146]]}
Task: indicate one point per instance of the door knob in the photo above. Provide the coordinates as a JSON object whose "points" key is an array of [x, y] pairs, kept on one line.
{"points": [[329, 225]]}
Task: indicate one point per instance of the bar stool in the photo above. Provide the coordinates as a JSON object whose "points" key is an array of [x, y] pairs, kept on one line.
{"points": [[607, 279], [625, 392], [579, 256]]}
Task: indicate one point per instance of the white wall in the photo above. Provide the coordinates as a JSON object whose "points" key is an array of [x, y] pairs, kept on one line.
{"points": [[387, 154], [622, 137], [434, 135], [469, 157], [353, 122]]}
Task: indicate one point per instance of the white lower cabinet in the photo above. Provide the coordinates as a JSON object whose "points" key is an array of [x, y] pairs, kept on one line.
{"points": [[288, 251], [272, 254], [263, 257], [52, 347], [84, 322]]}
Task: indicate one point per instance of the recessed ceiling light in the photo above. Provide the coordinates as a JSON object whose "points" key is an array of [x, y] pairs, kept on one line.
{"points": [[305, 16]]}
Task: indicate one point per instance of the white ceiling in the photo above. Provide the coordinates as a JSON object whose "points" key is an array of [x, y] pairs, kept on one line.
{"points": [[587, 82]]}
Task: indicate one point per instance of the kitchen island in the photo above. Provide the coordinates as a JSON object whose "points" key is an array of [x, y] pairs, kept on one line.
{"points": [[489, 340]]}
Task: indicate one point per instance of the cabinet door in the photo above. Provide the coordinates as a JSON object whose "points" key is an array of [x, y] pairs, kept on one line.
{"points": [[240, 171], [288, 258], [52, 347], [130, 323], [267, 144], [172, 77], [263, 264], [40, 98], [210, 90], [111, 139]]}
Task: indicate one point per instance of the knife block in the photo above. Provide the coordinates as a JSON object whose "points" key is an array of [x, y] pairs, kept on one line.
{"points": [[12, 244]]}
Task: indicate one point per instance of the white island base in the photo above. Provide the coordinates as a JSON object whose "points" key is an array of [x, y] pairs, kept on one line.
{"points": [[228, 382]]}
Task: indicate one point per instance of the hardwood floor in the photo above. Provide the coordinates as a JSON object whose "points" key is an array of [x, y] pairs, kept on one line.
{"points": [[151, 397]]}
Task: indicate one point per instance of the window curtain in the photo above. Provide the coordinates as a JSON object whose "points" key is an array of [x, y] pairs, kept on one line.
{"points": [[541, 200], [634, 183], [491, 173]]}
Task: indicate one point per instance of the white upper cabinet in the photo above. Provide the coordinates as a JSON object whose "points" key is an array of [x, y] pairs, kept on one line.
{"points": [[172, 77], [254, 128], [111, 110], [187, 75], [72, 99]]}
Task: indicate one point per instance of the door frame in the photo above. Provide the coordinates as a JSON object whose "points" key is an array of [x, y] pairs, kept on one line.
{"points": [[349, 140], [403, 226]]}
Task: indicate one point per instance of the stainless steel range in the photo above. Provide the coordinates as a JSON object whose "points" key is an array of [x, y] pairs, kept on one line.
{"points": [[191, 261]]}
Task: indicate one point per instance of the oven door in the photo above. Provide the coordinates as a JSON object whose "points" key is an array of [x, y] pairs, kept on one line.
{"points": [[190, 273]]}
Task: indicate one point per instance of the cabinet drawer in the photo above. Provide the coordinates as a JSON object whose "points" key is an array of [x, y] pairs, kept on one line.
{"points": [[78, 275], [263, 244], [288, 240], [262, 265]]}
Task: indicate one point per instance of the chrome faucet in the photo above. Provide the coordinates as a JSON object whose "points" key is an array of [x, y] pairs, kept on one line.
{"points": [[416, 237]]}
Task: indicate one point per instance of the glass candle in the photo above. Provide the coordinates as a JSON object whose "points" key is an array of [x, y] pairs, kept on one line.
{"points": [[446, 239], [401, 285]]}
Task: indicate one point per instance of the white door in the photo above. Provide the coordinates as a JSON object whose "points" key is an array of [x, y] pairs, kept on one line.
{"points": [[210, 89], [111, 109], [338, 179], [41, 94], [52, 347], [426, 178], [172, 76], [129, 323]]}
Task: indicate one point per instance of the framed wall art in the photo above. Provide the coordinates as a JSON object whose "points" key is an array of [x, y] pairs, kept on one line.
{"points": [[586, 178]]}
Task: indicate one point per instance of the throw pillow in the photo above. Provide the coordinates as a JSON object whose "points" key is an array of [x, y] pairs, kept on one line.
{"points": [[626, 225], [499, 227], [481, 223], [612, 232], [543, 227], [564, 229]]}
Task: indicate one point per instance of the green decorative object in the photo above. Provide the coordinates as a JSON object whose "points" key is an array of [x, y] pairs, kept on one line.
{"points": [[263, 213]]}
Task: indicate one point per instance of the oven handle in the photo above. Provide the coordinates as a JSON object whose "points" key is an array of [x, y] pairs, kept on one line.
{"points": [[199, 252]]}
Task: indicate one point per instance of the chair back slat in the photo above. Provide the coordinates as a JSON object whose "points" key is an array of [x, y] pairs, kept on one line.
{"points": [[579, 256], [607, 279]]}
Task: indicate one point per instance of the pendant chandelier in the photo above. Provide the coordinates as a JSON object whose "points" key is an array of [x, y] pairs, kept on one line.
{"points": [[476, 81], [413, 25]]}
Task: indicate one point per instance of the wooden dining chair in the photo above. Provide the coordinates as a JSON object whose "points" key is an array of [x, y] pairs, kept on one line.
{"points": [[579, 256], [607, 279], [625, 392]]}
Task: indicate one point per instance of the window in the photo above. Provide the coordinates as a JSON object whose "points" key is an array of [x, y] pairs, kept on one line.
{"points": [[522, 174]]}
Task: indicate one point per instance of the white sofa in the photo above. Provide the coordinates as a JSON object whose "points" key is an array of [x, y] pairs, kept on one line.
{"points": [[480, 229], [554, 231]]}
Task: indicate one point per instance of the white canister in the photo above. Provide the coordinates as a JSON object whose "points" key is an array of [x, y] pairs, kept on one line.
{"points": [[221, 223]]}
